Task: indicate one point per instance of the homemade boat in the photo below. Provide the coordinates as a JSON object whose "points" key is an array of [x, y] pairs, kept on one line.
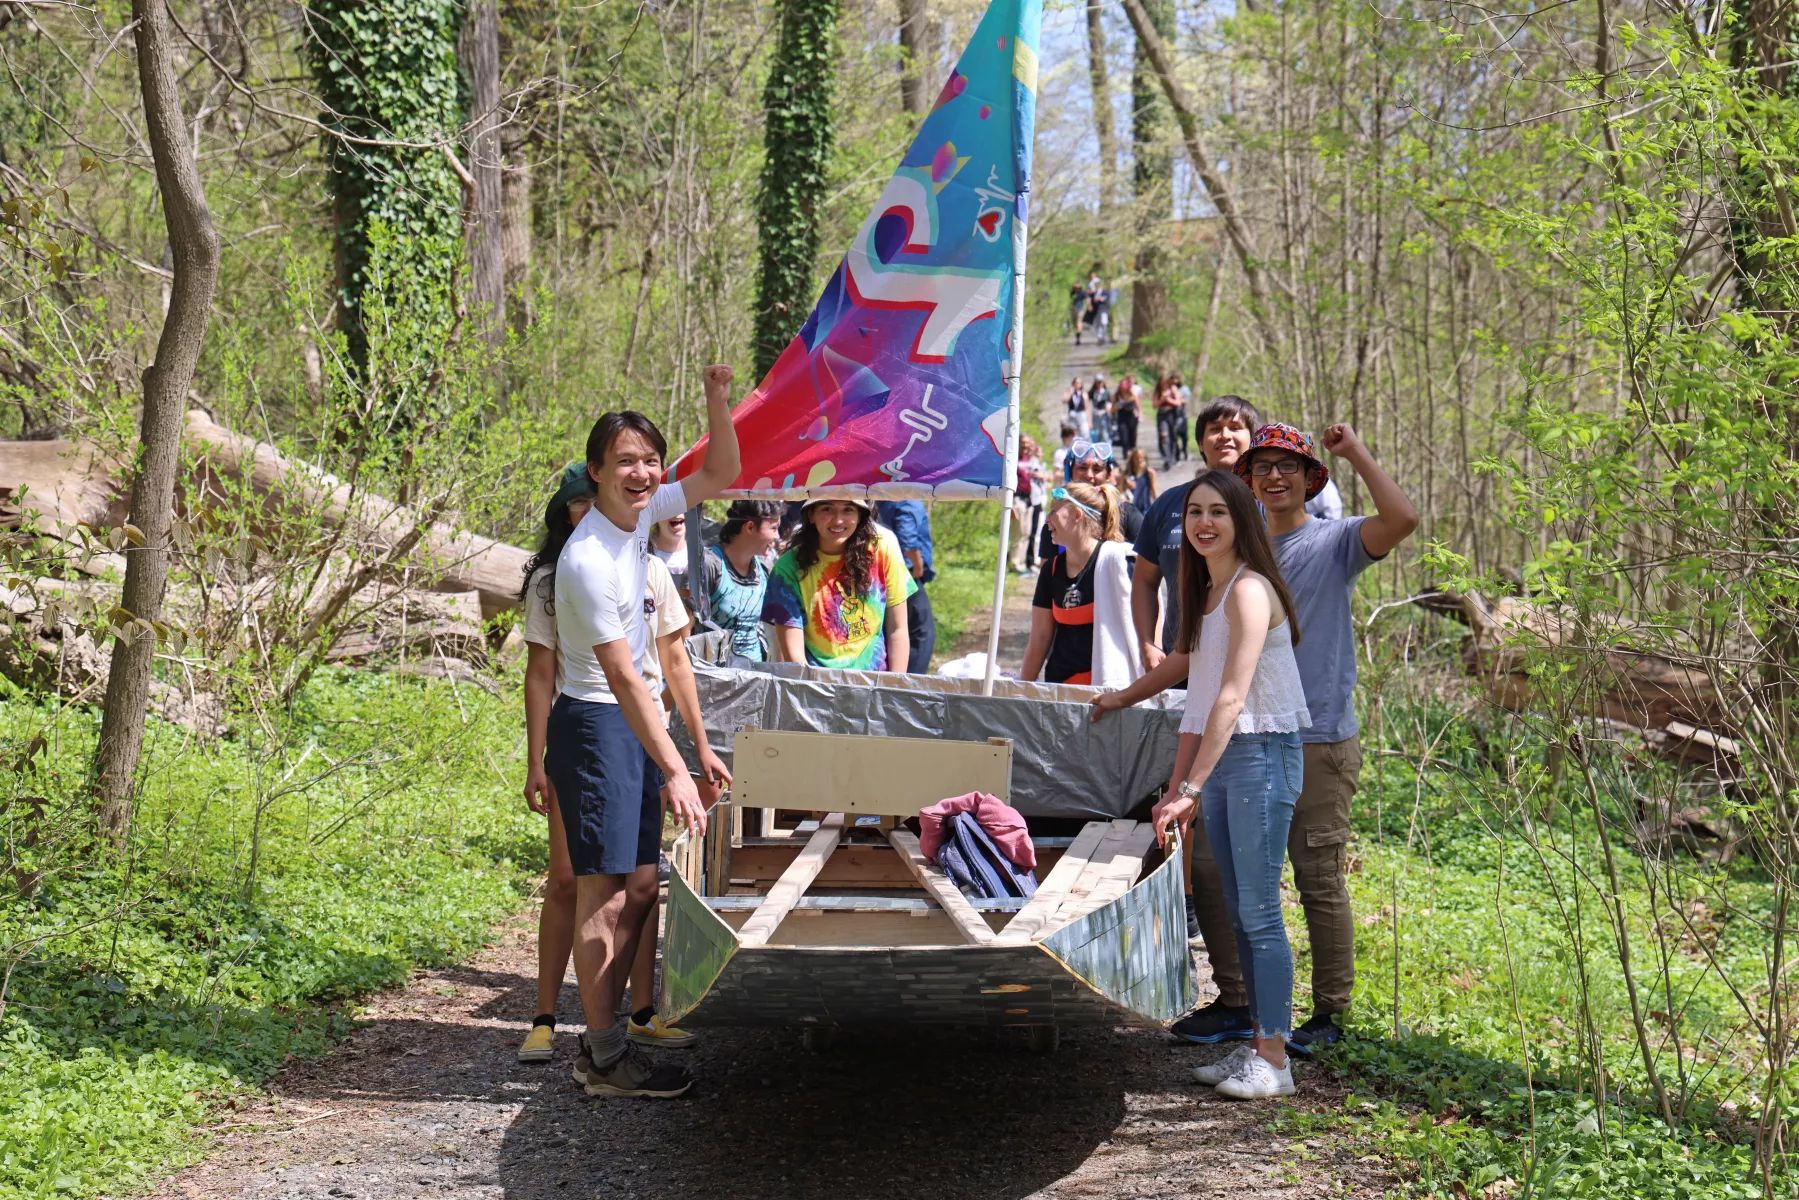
{"points": [[841, 921]]}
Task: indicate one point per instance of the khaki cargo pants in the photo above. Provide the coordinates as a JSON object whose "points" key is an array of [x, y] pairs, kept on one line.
{"points": [[1318, 844]]}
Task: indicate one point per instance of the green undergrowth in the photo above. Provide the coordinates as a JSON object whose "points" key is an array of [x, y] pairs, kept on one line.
{"points": [[1469, 1065], [271, 878]]}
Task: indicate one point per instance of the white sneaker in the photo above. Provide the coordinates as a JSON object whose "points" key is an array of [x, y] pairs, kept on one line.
{"points": [[1257, 1079], [1216, 1073]]}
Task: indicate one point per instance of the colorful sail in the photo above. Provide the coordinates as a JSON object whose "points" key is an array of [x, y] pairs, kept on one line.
{"points": [[899, 383]]}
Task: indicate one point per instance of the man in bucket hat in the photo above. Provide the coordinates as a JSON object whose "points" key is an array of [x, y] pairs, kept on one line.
{"points": [[1320, 562]]}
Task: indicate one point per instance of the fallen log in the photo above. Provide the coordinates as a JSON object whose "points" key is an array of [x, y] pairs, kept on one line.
{"points": [[457, 560], [67, 483]]}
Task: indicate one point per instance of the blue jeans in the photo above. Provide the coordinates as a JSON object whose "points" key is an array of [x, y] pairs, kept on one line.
{"points": [[1248, 805]]}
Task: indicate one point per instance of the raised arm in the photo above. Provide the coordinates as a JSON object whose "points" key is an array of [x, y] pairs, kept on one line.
{"points": [[1394, 517], [1248, 606], [724, 461]]}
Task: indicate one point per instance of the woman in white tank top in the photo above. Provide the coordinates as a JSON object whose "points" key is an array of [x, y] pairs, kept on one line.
{"points": [[1239, 761]]}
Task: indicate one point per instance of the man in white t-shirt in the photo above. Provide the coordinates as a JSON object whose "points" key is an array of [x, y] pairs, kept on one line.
{"points": [[608, 752]]}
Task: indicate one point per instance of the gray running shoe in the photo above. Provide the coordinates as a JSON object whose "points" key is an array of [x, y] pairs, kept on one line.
{"points": [[635, 1075], [1213, 1074]]}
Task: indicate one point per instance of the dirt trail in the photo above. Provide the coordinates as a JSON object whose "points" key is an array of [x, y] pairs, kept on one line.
{"points": [[428, 1100]]}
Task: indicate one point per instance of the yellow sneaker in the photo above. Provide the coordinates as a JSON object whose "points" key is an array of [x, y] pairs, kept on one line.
{"points": [[536, 1047], [655, 1033]]}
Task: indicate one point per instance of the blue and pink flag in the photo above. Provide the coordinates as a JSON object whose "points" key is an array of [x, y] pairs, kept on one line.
{"points": [[898, 385]]}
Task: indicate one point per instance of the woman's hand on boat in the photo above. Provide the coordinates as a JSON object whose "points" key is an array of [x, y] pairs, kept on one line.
{"points": [[537, 789], [1106, 702], [1173, 809]]}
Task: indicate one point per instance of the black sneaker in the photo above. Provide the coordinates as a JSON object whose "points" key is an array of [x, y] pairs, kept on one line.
{"points": [[1216, 1022], [634, 1074], [1193, 934], [1321, 1030]]}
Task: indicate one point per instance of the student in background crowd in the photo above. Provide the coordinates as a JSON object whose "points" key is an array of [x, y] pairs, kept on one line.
{"points": [[1078, 412], [556, 921], [1327, 505], [837, 597], [1140, 480], [1102, 315], [1224, 432], [1060, 458], [1127, 412], [1321, 561], [1239, 753], [737, 573], [1080, 623], [1099, 403], [1171, 413], [1033, 485], [910, 522], [668, 542], [1077, 309]]}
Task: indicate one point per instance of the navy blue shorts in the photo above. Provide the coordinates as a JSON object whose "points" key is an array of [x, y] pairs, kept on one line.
{"points": [[608, 788]]}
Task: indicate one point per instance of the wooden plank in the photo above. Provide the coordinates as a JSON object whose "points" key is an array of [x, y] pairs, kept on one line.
{"points": [[853, 865], [1035, 916], [1000, 904], [1116, 878], [946, 893], [1098, 865], [831, 772], [792, 884]]}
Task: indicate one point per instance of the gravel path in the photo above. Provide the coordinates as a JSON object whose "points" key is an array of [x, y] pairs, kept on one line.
{"points": [[427, 1100]]}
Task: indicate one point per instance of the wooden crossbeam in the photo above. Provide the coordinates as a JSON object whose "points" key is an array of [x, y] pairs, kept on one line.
{"points": [[941, 888], [792, 884], [1041, 908]]}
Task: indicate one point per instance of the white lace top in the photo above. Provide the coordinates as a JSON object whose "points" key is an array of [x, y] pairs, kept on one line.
{"points": [[1276, 702]]}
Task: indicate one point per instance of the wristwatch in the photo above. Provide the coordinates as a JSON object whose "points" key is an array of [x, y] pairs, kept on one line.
{"points": [[1188, 790]]}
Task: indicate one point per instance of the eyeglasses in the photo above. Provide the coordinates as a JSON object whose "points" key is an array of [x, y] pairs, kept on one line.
{"points": [[1082, 448], [1286, 466]]}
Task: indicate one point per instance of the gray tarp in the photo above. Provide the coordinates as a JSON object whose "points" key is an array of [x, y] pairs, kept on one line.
{"points": [[1062, 764]]}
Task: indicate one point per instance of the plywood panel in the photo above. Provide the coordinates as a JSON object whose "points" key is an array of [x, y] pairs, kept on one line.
{"points": [[831, 772]]}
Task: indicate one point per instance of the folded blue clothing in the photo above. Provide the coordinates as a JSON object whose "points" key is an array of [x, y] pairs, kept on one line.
{"points": [[975, 863]]}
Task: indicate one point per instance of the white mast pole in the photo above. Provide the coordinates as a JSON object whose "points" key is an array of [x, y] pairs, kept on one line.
{"points": [[1013, 385]]}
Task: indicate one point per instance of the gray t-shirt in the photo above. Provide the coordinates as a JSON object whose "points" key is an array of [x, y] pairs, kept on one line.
{"points": [[1320, 562]]}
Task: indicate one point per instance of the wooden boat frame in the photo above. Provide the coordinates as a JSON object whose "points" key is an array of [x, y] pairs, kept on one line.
{"points": [[1102, 942]]}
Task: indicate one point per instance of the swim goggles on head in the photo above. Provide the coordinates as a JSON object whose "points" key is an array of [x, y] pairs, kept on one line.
{"points": [[1062, 494], [1082, 449]]}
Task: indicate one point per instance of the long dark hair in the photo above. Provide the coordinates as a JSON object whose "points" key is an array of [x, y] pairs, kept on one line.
{"points": [[1252, 547], [858, 553], [557, 530]]}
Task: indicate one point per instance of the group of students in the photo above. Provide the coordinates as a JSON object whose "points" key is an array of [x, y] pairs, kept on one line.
{"points": [[1228, 585], [1240, 594]]}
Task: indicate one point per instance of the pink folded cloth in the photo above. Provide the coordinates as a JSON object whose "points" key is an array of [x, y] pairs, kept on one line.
{"points": [[1001, 821]]}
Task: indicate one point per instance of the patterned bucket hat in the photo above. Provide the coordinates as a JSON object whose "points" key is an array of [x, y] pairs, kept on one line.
{"points": [[1279, 436]]}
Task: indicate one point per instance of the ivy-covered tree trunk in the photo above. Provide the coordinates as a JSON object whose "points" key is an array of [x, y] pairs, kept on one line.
{"points": [[797, 149], [1152, 179], [917, 50], [486, 261], [386, 71]]}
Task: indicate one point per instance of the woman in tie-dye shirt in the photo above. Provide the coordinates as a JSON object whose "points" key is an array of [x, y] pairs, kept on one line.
{"points": [[837, 598]]}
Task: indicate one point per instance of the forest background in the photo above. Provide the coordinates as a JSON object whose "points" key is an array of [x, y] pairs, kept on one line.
{"points": [[1544, 261]]}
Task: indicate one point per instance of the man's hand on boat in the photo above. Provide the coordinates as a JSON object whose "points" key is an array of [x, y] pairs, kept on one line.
{"points": [[684, 799]]}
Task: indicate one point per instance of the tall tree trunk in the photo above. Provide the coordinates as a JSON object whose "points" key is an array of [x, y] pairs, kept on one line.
{"points": [[917, 55], [194, 245], [1152, 179], [1102, 107], [515, 233], [487, 268], [1204, 365], [1150, 42], [798, 131]]}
